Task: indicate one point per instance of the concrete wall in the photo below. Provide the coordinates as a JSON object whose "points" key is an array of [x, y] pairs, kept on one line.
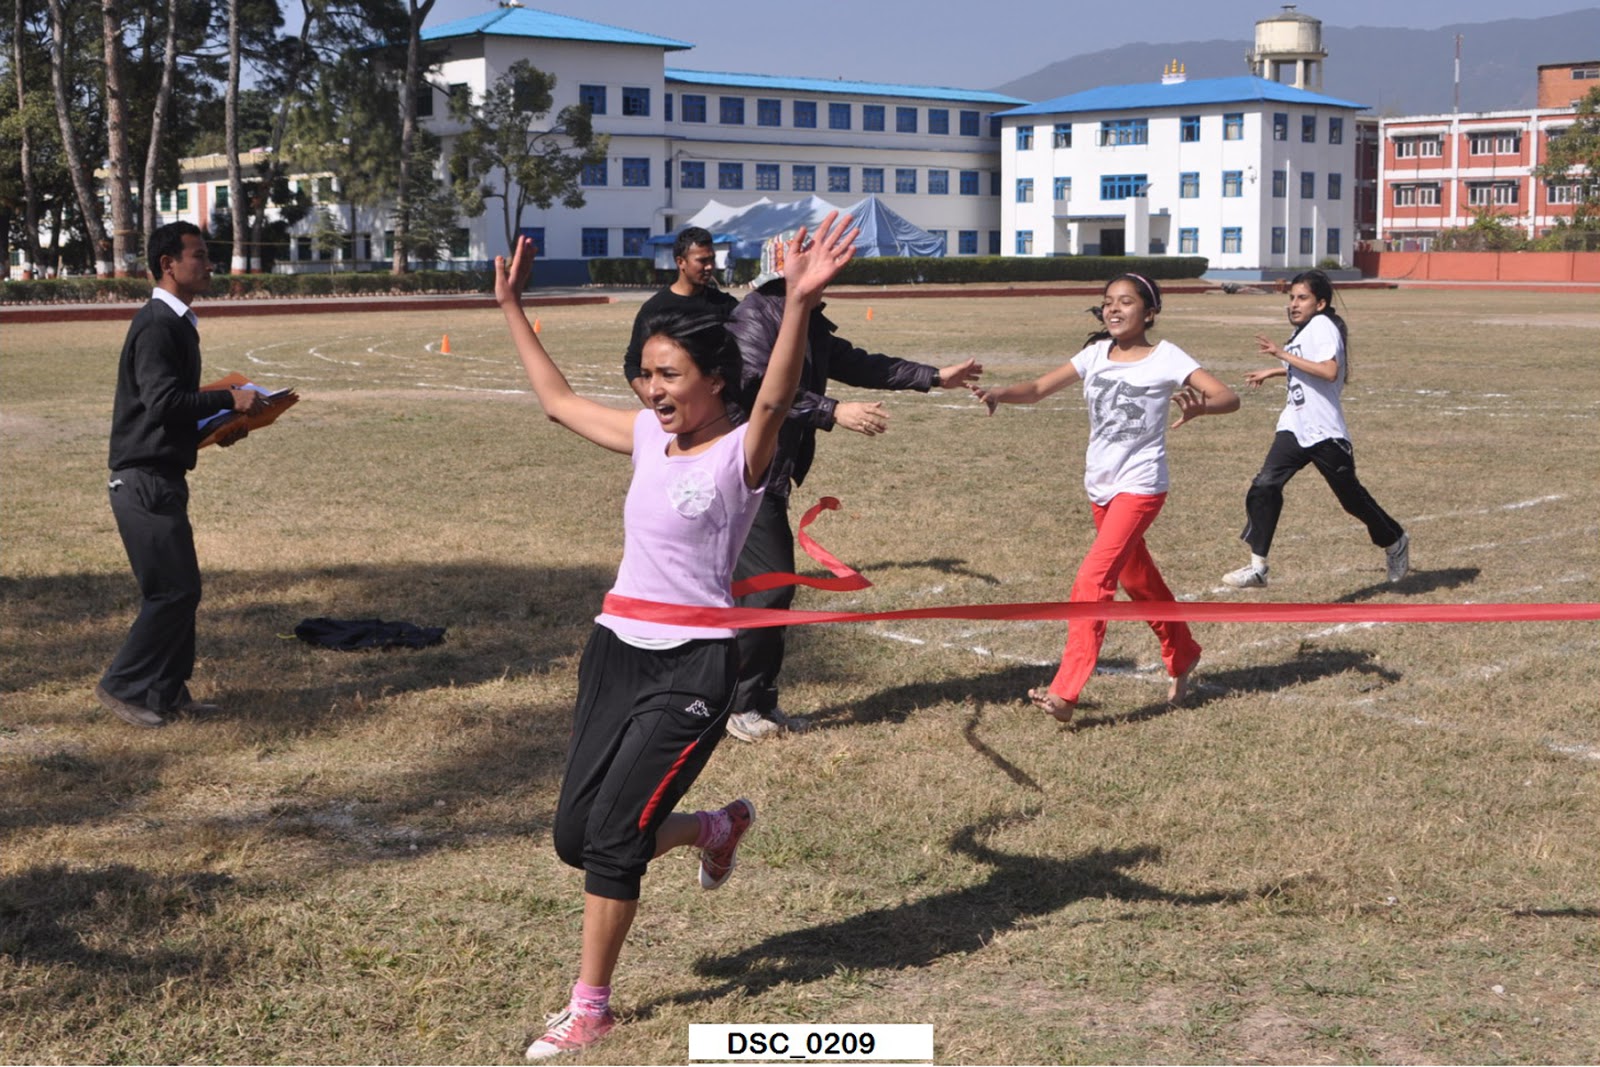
{"points": [[1482, 266]]}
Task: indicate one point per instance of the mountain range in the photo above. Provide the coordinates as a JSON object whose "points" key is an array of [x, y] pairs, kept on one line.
{"points": [[1392, 71]]}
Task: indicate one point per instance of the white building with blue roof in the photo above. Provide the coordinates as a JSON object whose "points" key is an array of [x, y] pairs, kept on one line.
{"points": [[682, 138], [1250, 173]]}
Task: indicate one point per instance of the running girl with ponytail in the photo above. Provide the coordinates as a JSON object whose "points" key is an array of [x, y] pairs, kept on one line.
{"points": [[1127, 385], [1311, 429]]}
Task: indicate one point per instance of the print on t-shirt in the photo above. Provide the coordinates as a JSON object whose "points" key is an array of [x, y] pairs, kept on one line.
{"points": [[693, 492], [1117, 416]]}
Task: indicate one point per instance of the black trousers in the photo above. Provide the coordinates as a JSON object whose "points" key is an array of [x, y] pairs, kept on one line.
{"points": [[770, 547], [153, 666], [1335, 459], [645, 724]]}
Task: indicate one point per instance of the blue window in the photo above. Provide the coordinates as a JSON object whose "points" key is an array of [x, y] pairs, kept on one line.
{"points": [[730, 175], [1233, 183], [1024, 190], [666, 106], [635, 171], [969, 183], [1232, 239], [1308, 184], [1233, 126], [1125, 131], [1024, 242], [635, 101], [905, 120], [994, 131], [969, 124], [905, 179], [994, 183], [1280, 184], [1061, 136], [939, 120], [1122, 186], [1280, 240], [1024, 138], [1307, 240], [943, 236], [769, 112], [596, 241], [1333, 241], [593, 97], [1336, 130], [803, 177], [767, 177], [694, 107], [805, 114], [967, 242], [1280, 125], [1189, 185], [994, 242], [838, 179], [838, 116], [938, 182], [594, 173], [872, 179], [872, 117], [692, 174], [1189, 130], [536, 235], [1188, 241], [1063, 189], [1308, 128], [1335, 186], [633, 239], [731, 110]]}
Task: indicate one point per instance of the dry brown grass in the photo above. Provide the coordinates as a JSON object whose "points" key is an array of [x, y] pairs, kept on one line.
{"points": [[1362, 843]]}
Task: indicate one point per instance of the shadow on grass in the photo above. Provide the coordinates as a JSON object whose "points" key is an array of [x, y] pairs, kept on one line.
{"points": [[956, 568], [1416, 582], [45, 913], [63, 786], [917, 934]]}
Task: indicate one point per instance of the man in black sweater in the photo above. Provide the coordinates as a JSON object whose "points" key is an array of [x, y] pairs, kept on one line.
{"points": [[154, 439], [694, 290]]}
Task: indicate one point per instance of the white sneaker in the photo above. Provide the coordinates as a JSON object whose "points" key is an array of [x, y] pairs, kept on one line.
{"points": [[1399, 556], [752, 726], [1246, 577]]}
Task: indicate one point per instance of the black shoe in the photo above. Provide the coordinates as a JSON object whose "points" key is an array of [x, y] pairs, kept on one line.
{"points": [[132, 714]]}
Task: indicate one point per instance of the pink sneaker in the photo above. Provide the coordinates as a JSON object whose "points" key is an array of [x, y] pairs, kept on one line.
{"points": [[569, 1032], [717, 863]]}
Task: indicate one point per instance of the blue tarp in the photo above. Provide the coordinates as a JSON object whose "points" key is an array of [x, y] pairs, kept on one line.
{"points": [[742, 231]]}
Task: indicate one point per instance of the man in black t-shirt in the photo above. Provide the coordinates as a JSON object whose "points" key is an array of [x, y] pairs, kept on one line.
{"points": [[694, 290]]}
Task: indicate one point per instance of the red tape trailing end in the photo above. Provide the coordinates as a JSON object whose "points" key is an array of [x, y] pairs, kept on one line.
{"points": [[845, 577]]}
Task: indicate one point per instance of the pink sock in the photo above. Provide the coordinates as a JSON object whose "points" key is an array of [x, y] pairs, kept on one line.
{"points": [[714, 829], [590, 999]]}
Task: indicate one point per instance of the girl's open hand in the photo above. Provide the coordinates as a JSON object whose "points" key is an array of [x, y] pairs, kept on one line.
{"points": [[988, 397], [809, 265], [511, 279]]}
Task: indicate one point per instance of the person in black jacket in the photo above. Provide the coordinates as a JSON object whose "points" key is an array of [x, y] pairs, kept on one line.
{"points": [[694, 290], [155, 436], [770, 546]]}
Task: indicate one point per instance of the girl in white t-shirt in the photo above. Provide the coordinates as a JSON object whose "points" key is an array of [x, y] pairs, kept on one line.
{"points": [[1311, 430], [1127, 383], [654, 696]]}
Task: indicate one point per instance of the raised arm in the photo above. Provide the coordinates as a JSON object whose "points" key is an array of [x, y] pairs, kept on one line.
{"points": [[1325, 369], [1027, 392], [606, 427], [808, 267]]}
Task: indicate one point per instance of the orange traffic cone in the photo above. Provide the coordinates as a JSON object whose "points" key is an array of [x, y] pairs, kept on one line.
{"points": [[444, 346], [869, 314], [535, 325]]}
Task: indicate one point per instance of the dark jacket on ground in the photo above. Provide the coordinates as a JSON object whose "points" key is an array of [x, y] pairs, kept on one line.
{"points": [[755, 324], [159, 405]]}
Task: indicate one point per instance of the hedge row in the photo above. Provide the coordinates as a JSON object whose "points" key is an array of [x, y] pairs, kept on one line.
{"points": [[908, 270], [247, 286]]}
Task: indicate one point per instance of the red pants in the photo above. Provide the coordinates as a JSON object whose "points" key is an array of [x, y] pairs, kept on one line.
{"points": [[1119, 555]]}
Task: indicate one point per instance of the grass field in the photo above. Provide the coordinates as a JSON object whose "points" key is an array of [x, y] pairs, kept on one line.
{"points": [[1363, 843]]}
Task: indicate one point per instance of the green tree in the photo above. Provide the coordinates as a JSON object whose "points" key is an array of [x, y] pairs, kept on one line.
{"points": [[508, 153], [1574, 159]]}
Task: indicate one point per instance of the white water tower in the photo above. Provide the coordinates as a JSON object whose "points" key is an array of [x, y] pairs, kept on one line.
{"points": [[1289, 49]]}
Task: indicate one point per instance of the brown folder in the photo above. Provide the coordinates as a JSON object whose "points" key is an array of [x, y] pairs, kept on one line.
{"points": [[278, 401]]}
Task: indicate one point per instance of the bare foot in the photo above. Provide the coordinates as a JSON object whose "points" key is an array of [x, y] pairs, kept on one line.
{"points": [[1178, 691], [1045, 700]]}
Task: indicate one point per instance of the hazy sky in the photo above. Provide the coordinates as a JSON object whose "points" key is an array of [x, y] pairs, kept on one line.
{"points": [[921, 43]]}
